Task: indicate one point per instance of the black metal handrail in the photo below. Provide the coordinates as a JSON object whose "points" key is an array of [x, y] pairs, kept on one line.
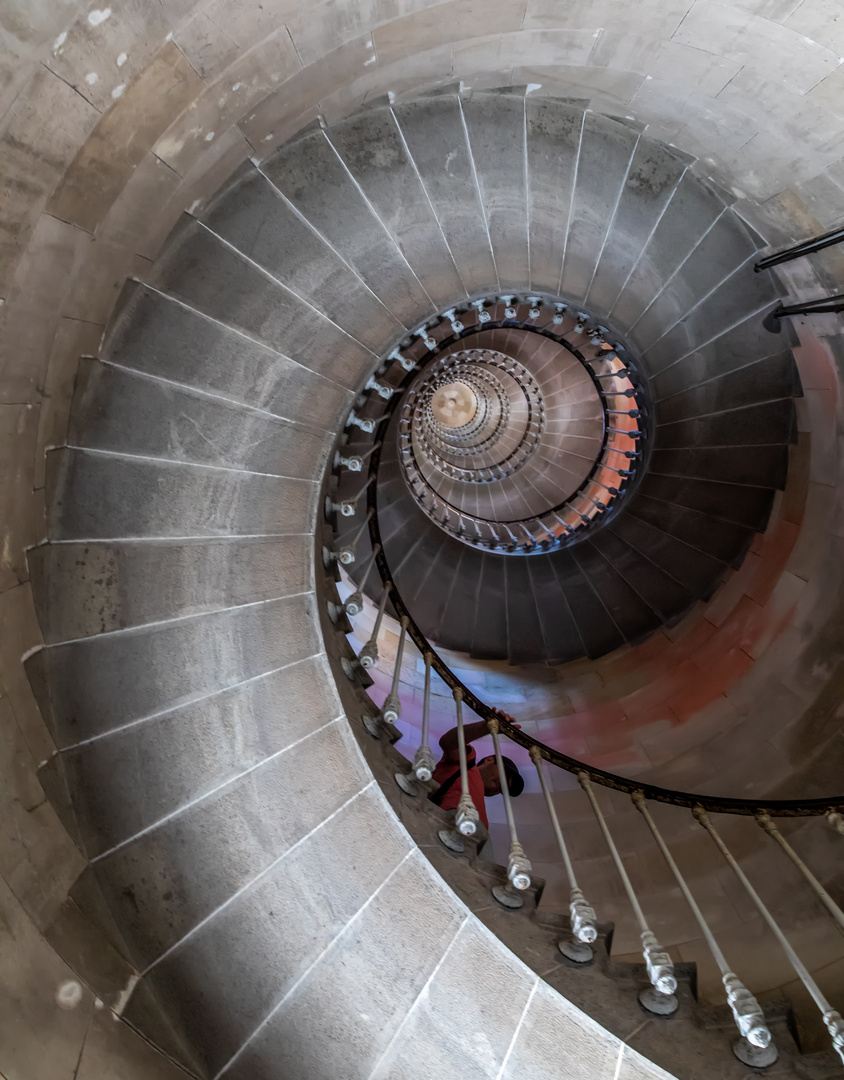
{"points": [[711, 803]]}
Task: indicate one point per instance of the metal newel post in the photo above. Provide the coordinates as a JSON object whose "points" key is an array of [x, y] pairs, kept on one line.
{"points": [[582, 915], [391, 709], [658, 962], [832, 1019], [770, 828], [518, 864], [755, 1047]]}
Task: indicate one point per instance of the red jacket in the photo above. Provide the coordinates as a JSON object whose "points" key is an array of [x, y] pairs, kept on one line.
{"points": [[447, 768]]}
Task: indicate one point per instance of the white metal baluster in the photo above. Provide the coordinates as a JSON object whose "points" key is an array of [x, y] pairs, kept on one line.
{"points": [[770, 828], [423, 761], [518, 864], [368, 656], [578, 947], [391, 709], [659, 996], [755, 1046], [466, 818], [353, 604], [832, 1019], [346, 507], [346, 554]]}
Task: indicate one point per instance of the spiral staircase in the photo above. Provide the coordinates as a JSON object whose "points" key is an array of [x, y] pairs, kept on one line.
{"points": [[535, 329]]}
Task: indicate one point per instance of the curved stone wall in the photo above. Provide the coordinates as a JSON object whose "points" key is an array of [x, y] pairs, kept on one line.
{"points": [[117, 119]]}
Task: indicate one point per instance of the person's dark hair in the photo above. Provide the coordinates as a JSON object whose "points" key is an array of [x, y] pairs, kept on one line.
{"points": [[515, 780]]}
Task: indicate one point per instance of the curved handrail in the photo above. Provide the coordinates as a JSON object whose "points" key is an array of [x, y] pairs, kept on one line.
{"points": [[711, 803]]}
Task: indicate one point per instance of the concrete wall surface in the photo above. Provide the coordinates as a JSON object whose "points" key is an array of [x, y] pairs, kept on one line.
{"points": [[209, 796]]}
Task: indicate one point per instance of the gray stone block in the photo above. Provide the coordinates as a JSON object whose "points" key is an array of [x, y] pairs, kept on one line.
{"points": [[118, 410], [198, 269], [342, 1016], [741, 296], [496, 128], [88, 687], [252, 953], [312, 176], [606, 149], [95, 588], [693, 208], [558, 1040], [161, 337], [770, 378], [133, 778], [553, 140], [452, 1029], [655, 172], [169, 880], [756, 425], [434, 132], [253, 216], [723, 251], [106, 496], [390, 181]]}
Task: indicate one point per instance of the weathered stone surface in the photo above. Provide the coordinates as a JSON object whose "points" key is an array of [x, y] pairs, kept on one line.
{"points": [[296, 910], [225, 648], [177, 424], [436, 137], [207, 275], [391, 183], [186, 347], [304, 785], [225, 501], [245, 83], [122, 138], [218, 738], [261, 223], [366, 991], [41, 133]]}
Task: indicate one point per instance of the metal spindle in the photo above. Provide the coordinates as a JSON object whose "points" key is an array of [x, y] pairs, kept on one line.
{"points": [[368, 656], [832, 1019], [353, 462], [391, 709], [518, 864], [345, 507], [353, 604], [346, 554], [765, 822], [755, 1047], [583, 920], [658, 962], [423, 765], [466, 818]]}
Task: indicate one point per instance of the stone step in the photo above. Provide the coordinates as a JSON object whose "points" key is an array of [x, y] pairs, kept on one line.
{"points": [[312, 176]]}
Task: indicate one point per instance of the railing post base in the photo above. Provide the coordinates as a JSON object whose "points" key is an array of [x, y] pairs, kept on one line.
{"points": [[372, 725], [407, 783], [576, 951], [451, 839], [658, 1004], [507, 896], [759, 1057]]}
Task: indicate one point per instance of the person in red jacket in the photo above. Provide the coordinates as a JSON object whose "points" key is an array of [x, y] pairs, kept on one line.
{"points": [[483, 777]]}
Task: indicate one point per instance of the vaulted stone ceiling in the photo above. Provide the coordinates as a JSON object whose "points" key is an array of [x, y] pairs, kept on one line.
{"points": [[117, 119]]}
